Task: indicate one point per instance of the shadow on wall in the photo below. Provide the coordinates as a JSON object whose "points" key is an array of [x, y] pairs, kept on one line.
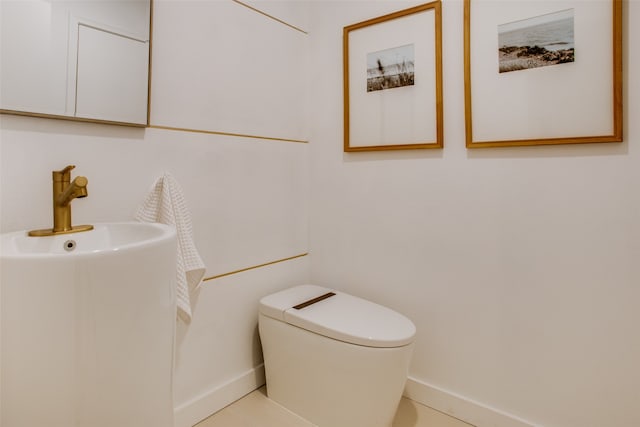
{"points": [[256, 350], [182, 327], [552, 151], [67, 127], [407, 414]]}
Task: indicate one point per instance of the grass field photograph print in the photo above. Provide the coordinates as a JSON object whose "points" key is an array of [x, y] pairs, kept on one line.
{"points": [[390, 68]]}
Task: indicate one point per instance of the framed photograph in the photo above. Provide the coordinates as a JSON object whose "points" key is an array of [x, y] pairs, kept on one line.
{"points": [[542, 72], [393, 81]]}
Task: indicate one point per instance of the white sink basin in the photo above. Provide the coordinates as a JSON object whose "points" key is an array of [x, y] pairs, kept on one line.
{"points": [[87, 327], [103, 238]]}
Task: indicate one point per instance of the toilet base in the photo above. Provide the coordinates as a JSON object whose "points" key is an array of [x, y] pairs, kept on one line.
{"points": [[332, 383]]}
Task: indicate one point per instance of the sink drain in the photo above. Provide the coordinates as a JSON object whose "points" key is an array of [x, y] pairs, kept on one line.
{"points": [[69, 245]]}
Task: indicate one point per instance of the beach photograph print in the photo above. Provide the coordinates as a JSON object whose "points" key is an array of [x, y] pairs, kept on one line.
{"points": [[536, 42], [390, 68]]}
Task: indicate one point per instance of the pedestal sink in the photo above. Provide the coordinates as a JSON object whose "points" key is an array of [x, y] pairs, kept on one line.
{"points": [[87, 325]]}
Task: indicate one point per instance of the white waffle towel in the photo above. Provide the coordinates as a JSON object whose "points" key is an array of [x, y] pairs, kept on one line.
{"points": [[165, 204]]}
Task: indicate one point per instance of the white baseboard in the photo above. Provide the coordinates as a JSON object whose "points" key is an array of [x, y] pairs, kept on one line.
{"points": [[460, 407], [455, 405], [201, 407]]}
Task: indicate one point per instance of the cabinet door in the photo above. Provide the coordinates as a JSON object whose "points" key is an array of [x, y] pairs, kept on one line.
{"points": [[111, 76]]}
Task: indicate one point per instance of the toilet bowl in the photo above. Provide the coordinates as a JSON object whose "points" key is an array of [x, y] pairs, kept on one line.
{"points": [[334, 359]]}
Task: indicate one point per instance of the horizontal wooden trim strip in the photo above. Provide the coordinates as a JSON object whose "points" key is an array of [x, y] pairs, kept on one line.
{"points": [[254, 267], [211, 132], [270, 16]]}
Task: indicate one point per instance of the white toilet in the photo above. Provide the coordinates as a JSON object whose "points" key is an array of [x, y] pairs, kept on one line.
{"points": [[334, 359]]}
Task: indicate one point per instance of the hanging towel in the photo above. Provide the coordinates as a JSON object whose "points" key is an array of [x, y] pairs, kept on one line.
{"points": [[165, 204]]}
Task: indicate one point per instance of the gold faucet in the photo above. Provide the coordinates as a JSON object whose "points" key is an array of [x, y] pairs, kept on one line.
{"points": [[64, 191]]}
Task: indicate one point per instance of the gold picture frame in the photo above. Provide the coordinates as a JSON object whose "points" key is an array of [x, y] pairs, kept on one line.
{"points": [[393, 81], [577, 101]]}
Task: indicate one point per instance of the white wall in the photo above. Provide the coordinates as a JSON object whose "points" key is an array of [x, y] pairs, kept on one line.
{"points": [[519, 266], [247, 191]]}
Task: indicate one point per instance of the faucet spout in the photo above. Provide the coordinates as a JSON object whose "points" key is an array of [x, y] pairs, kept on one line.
{"points": [[76, 189]]}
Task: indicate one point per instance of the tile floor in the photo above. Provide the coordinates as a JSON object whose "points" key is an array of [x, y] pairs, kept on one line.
{"points": [[257, 410]]}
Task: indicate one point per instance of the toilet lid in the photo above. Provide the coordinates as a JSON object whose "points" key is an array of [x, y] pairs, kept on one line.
{"points": [[340, 316]]}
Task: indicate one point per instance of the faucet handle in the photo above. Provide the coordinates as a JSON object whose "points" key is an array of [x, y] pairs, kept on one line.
{"points": [[64, 174]]}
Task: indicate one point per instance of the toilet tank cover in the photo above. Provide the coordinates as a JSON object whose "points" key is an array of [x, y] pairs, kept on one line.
{"points": [[341, 316]]}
